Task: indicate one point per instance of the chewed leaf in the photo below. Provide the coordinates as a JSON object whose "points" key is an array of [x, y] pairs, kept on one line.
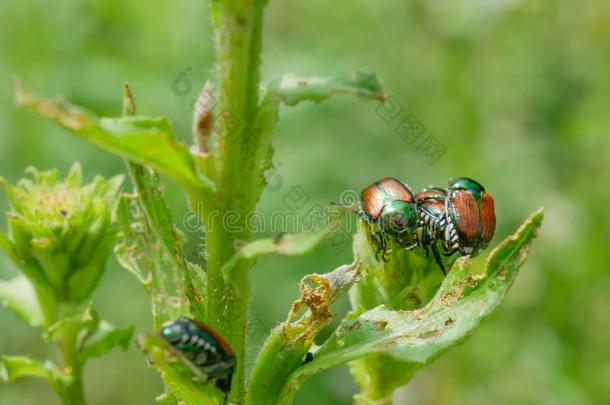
{"points": [[418, 336], [142, 253], [185, 380], [146, 140], [283, 351], [19, 296], [292, 89]]}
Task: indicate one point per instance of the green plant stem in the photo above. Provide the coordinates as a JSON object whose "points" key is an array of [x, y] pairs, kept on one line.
{"points": [[47, 303], [238, 27], [73, 368]]}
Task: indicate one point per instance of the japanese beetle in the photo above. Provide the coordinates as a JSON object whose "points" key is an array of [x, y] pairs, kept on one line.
{"points": [[204, 347], [470, 217], [390, 204], [430, 204]]}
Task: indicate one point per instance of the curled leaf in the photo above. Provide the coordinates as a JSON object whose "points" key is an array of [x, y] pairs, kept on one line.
{"points": [[283, 351], [292, 89]]}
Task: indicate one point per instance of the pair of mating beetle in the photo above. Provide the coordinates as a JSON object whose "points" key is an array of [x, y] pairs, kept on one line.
{"points": [[461, 217]]}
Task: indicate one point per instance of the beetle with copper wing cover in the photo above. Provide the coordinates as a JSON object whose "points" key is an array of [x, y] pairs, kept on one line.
{"points": [[203, 347], [390, 205], [461, 217]]}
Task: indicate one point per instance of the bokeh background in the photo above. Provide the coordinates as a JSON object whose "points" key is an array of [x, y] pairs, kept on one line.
{"points": [[518, 92]]}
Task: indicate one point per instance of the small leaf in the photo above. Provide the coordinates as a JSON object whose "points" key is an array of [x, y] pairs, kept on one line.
{"points": [[106, 338], [19, 296], [185, 380], [146, 140], [288, 244], [27, 267], [418, 336], [69, 327], [292, 89], [7, 246], [14, 367]]}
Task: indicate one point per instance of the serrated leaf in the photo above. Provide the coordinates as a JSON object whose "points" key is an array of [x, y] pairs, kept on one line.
{"points": [[418, 336], [146, 140], [185, 380], [106, 338], [19, 296]]}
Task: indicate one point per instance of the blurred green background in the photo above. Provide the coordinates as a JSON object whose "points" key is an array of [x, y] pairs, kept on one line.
{"points": [[518, 92]]}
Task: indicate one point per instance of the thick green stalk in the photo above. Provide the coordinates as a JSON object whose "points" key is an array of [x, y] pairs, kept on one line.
{"points": [[73, 390], [238, 27]]}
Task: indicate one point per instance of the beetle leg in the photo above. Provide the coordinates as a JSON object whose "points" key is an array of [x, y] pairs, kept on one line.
{"points": [[380, 243], [384, 246], [448, 251], [424, 242], [437, 258]]}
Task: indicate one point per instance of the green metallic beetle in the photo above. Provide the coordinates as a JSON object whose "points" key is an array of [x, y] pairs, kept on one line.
{"points": [[470, 217], [390, 205], [204, 347]]}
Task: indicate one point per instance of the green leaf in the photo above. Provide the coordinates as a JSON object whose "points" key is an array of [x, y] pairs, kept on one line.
{"points": [[416, 337], [69, 327], [106, 338], [19, 296], [185, 380], [27, 267], [292, 89], [287, 244], [5, 243], [146, 140], [14, 367]]}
